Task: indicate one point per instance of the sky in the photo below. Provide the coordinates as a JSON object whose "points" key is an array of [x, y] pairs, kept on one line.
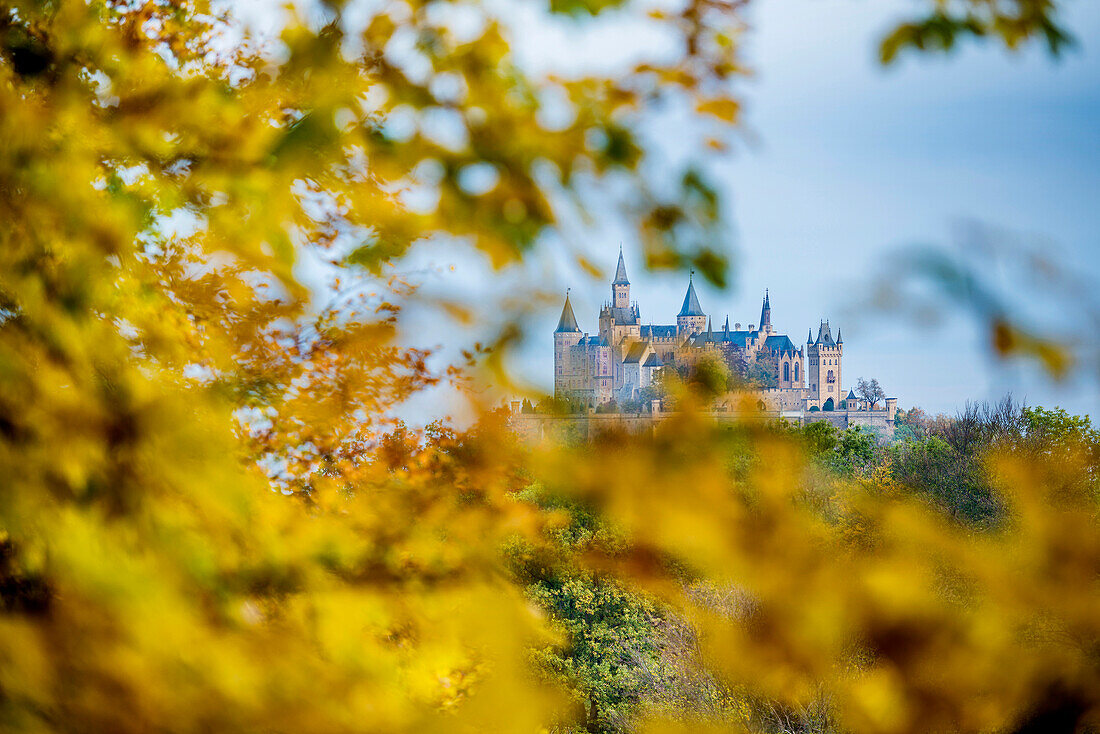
{"points": [[842, 162], [838, 164], [855, 161]]}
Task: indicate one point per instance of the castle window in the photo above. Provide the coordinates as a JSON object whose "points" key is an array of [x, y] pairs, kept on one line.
{"points": [[787, 372], [796, 371], [831, 377]]}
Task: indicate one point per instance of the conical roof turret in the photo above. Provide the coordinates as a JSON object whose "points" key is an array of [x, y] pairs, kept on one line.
{"points": [[810, 336], [766, 313], [691, 305], [620, 270], [567, 322]]}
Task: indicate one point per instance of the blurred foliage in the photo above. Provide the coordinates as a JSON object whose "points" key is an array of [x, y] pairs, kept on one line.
{"points": [[1011, 22], [208, 521], [978, 278], [852, 580]]}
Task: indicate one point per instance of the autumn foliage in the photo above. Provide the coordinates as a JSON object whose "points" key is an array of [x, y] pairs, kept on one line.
{"points": [[208, 521]]}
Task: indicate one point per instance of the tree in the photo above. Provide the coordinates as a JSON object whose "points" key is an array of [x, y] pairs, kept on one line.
{"points": [[708, 377], [956, 482], [762, 373], [870, 391], [158, 185], [911, 424]]}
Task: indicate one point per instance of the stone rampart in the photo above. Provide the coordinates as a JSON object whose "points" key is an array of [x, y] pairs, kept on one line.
{"points": [[536, 428]]}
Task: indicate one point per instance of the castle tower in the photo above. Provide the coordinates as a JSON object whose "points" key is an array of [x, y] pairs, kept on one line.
{"points": [[823, 368], [691, 319], [620, 288], [566, 336], [766, 315]]}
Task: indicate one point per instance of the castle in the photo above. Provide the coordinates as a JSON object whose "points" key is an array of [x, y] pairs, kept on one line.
{"points": [[619, 362]]}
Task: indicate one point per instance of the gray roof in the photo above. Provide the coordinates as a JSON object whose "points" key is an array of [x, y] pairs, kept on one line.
{"points": [[779, 343], [594, 341], [653, 331], [851, 393], [623, 315], [634, 355], [620, 271], [691, 305], [735, 338], [823, 335], [567, 322], [652, 360], [766, 311]]}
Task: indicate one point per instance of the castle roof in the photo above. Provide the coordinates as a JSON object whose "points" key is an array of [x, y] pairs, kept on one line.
{"points": [[653, 331], [823, 335], [623, 315], [637, 350], [620, 271], [652, 360], [736, 338], [779, 343], [766, 312], [594, 341], [691, 305], [567, 322], [851, 393]]}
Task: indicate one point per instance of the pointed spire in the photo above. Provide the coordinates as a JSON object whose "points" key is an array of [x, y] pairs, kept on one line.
{"points": [[567, 322], [766, 313], [810, 336], [710, 332], [726, 328], [691, 305], [839, 338], [620, 271]]}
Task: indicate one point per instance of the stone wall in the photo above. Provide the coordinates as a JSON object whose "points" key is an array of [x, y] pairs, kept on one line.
{"points": [[536, 428], [782, 398], [879, 421]]}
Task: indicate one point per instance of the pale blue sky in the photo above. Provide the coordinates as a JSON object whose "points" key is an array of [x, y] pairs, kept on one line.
{"points": [[845, 161], [839, 163]]}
